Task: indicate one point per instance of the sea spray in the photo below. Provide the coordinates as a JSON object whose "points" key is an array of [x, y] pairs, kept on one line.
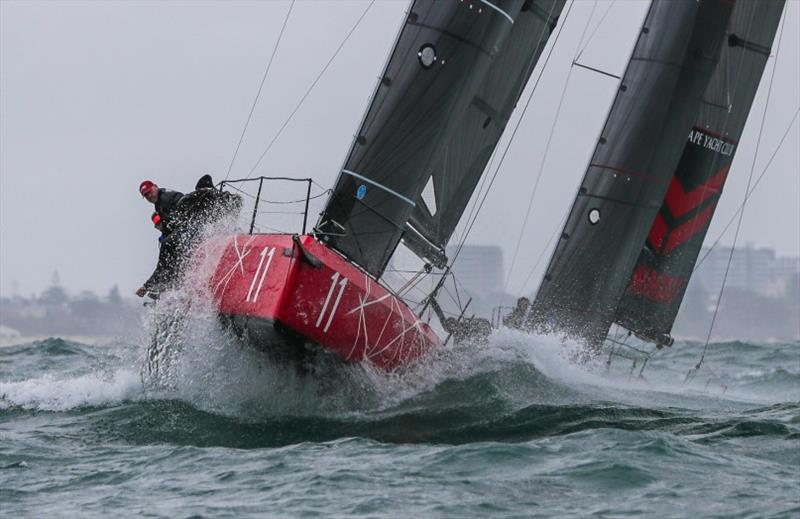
{"points": [[51, 392]]}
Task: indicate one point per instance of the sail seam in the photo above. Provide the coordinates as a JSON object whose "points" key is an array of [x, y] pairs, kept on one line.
{"points": [[381, 186]]}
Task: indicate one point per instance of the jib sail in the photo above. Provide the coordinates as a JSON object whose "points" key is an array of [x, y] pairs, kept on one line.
{"points": [[460, 163], [630, 170], [657, 285], [437, 69]]}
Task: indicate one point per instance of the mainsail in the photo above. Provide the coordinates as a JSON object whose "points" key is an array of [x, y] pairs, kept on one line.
{"points": [[659, 280], [433, 115], [630, 170]]}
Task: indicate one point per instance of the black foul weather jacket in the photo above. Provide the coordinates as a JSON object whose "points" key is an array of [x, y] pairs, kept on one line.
{"points": [[166, 204]]}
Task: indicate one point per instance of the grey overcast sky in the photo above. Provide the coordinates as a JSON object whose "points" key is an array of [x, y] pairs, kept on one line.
{"points": [[96, 96]]}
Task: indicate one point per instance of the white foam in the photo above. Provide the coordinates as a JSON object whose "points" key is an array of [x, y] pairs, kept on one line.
{"points": [[663, 384], [51, 393]]}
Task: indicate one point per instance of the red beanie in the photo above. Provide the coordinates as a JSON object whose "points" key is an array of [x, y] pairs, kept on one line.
{"points": [[146, 186]]}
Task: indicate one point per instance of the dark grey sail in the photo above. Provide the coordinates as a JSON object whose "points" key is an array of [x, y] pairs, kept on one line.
{"points": [[460, 163], [656, 287], [628, 175], [440, 60]]}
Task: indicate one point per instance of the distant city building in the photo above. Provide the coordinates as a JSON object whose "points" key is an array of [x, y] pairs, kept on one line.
{"points": [[479, 268], [756, 270]]}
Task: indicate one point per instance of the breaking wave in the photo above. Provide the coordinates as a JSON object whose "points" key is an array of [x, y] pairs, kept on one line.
{"points": [[517, 388]]}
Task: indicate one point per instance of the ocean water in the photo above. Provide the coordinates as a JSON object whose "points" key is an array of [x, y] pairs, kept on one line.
{"points": [[517, 428]]}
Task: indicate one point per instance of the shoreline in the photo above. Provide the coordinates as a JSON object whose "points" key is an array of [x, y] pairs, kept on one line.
{"points": [[6, 342]]}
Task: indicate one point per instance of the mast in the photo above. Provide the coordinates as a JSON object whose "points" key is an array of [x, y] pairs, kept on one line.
{"points": [[658, 283], [431, 96], [633, 161]]}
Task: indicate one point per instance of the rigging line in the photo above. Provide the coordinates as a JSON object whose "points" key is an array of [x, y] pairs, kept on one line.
{"points": [[741, 213], [245, 193], [541, 166], [277, 202], [298, 201], [591, 36], [586, 27], [536, 182], [314, 84], [755, 185], [546, 248], [401, 271], [260, 87], [514, 132], [603, 72], [415, 283], [480, 188], [409, 282]]}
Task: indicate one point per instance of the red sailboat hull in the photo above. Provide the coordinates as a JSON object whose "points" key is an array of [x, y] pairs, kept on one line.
{"points": [[278, 296]]}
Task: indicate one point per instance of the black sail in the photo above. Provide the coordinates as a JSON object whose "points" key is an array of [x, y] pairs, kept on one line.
{"points": [[441, 58], [460, 163], [656, 287], [633, 161]]}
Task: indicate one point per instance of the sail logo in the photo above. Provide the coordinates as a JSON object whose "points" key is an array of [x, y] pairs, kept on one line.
{"points": [[655, 285], [710, 142], [678, 203]]}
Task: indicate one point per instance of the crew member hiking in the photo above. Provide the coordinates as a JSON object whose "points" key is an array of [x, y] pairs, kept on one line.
{"points": [[164, 200], [181, 231]]}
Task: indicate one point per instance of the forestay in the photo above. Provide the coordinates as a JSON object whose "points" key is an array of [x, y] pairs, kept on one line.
{"points": [[665, 264], [630, 169]]}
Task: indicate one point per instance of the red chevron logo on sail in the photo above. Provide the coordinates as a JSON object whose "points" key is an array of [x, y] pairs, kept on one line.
{"points": [[678, 203]]}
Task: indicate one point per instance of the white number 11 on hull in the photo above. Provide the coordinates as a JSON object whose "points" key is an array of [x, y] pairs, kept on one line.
{"points": [[342, 284], [265, 252]]}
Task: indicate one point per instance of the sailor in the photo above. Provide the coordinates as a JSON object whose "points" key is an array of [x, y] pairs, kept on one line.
{"points": [[164, 200], [205, 182], [475, 330], [181, 234], [204, 205], [164, 273], [518, 317]]}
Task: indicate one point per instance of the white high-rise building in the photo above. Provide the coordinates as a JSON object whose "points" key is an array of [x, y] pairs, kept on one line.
{"points": [[751, 269]]}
